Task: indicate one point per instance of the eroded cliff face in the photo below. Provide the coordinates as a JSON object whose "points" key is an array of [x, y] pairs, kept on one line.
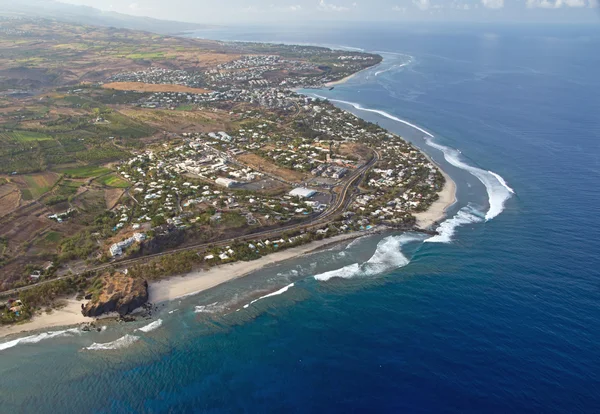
{"points": [[120, 293]]}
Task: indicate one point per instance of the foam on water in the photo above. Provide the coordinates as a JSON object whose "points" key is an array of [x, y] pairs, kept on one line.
{"points": [[151, 326], [446, 229], [345, 272], [278, 292], [388, 255], [497, 189], [398, 66], [210, 308], [34, 339], [120, 343]]}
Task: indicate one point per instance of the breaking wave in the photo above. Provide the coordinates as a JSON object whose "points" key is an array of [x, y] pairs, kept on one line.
{"points": [[278, 292], [388, 255], [210, 308], [34, 339], [120, 343], [345, 272], [446, 229], [377, 111], [497, 189], [151, 326], [398, 66]]}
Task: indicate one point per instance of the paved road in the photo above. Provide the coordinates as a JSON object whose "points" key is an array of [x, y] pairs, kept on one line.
{"points": [[339, 205]]}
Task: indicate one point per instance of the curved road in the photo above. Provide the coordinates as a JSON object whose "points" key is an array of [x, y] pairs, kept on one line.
{"points": [[340, 204]]}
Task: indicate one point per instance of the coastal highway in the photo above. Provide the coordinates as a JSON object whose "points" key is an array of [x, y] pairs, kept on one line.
{"points": [[339, 205]]}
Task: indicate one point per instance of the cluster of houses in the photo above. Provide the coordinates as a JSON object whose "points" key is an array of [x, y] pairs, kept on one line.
{"points": [[156, 75], [259, 246], [117, 249], [60, 217], [179, 184], [258, 71], [404, 181]]}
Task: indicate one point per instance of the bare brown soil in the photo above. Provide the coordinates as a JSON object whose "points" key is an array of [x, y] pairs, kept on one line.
{"points": [[112, 197], [262, 165], [150, 87], [9, 199], [180, 121]]}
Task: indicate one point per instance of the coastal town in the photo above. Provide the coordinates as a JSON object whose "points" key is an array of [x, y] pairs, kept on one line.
{"points": [[175, 169]]}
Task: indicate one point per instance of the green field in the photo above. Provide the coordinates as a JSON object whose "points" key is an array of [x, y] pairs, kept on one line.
{"points": [[87, 171], [26, 136], [26, 195], [113, 180], [38, 185], [53, 237], [147, 55]]}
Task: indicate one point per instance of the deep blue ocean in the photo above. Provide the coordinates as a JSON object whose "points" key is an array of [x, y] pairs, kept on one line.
{"points": [[499, 314]]}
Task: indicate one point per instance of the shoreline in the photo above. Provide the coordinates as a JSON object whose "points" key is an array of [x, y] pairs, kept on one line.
{"points": [[437, 211], [347, 78], [197, 281], [69, 315], [447, 196], [177, 287]]}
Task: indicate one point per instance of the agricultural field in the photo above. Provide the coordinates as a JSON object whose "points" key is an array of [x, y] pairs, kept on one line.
{"points": [[34, 186], [86, 171], [182, 120], [25, 136], [150, 87], [113, 180], [62, 192], [9, 198]]}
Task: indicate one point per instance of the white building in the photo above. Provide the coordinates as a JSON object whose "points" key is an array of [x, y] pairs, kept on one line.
{"points": [[302, 192], [225, 182]]}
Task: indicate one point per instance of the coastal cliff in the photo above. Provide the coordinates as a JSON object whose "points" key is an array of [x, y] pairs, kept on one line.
{"points": [[119, 293]]}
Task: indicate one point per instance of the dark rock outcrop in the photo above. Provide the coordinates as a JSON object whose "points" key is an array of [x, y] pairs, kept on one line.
{"points": [[120, 293]]}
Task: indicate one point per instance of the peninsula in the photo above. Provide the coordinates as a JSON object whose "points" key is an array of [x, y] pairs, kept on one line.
{"points": [[129, 157]]}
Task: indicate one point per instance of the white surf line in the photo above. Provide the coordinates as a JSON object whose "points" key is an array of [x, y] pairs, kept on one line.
{"points": [[279, 292], [497, 194], [34, 339], [387, 256], [379, 112], [120, 343], [151, 326], [497, 189]]}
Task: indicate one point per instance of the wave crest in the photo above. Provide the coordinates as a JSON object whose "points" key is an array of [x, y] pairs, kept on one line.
{"points": [[497, 189], [34, 339], [388, 255], [120, 343], [276, 293], [151, 326], [446, 229]]}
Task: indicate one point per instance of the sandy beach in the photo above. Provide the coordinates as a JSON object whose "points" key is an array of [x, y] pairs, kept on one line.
{"points": [[347, 78], [68, 315], [198, 281], [437, 211]]}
